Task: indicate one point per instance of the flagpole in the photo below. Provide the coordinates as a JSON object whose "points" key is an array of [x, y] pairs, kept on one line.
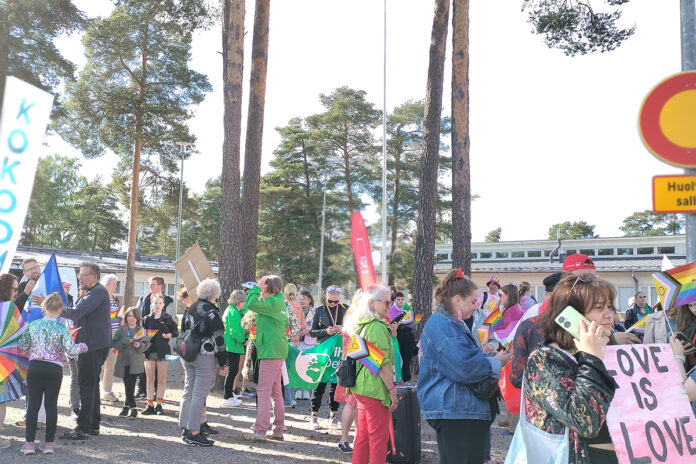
{"points": [[384, 156]]}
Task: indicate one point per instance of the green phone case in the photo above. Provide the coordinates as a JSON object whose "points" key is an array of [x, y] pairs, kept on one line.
{"points": [[569, 320]]}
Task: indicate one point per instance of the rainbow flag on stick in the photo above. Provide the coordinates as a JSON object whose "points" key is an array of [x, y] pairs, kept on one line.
{"points": [[357, 348], [416, 320], [145, 335], [494, 320], [639, 327], [373, 361]]}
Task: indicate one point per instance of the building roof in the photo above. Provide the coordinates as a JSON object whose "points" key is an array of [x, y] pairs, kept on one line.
{"points": [[108, 262], [614, 264]]}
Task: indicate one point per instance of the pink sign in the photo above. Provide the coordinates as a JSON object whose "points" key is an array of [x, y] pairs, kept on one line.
{"points": [[650, 418]]}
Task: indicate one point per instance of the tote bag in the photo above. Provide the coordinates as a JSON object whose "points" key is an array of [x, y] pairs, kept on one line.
{"points": [[531, 445]]}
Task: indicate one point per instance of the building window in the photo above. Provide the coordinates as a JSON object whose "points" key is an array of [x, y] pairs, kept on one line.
{"points": [[646, 250], [605, 251], [588, 251], [474, 255], [486, 254], [518, 254], [118, 288], [665, 250], [501, 254], [571, 252], [141, 288], [171, 290], [624, 251], [547, 253], [441, 256], [534, 254]]}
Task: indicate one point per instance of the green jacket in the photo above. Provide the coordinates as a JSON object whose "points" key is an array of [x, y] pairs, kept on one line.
{"points": [[377, 332], [271, 322], [137, 358], [234, 332]]}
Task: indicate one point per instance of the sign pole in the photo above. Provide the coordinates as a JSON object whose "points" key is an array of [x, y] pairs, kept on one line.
{"points": [[688, 53]]}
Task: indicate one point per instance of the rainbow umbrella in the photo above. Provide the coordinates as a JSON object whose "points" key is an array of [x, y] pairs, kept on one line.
{"points": [[13, 363]]}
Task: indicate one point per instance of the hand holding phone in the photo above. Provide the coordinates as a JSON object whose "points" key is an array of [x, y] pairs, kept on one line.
{"points": [[689, 347]]}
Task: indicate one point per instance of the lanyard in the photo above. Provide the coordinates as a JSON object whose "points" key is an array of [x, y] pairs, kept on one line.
{"points": [[333, 317]]}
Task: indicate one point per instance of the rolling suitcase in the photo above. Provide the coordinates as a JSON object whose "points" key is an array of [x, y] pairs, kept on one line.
{"points": [[407, 428]]}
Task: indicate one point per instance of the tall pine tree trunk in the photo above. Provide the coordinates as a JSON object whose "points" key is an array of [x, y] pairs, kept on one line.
{"points": [[427, 202], [461, 175], [129, 290], [254, 137], [230, 272]]}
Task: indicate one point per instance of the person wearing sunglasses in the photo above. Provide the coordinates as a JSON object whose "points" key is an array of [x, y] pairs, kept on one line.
{"points": [[327, 321]]}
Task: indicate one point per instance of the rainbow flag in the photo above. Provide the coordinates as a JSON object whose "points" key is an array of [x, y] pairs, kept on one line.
{"points": [[145, 335], [416, 320], [494, 319], [676, 286], [357, 348], [115, 321], [639, 327], [373, 361]]}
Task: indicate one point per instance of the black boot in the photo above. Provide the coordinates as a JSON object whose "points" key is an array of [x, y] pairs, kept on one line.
{"points": [[208, 430], [149, 411], [158, 409], [124, 411]]}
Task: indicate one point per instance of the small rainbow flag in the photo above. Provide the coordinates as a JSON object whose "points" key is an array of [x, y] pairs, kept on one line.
{"points": [[357, 348], [373, 361], [416, 320], [115, 321], [494, 319], [253, 332], [639, 327], [145, 335]]}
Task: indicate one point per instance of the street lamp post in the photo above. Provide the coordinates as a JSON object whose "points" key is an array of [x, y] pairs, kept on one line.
{"points": [[183, 146], [321, 243]]}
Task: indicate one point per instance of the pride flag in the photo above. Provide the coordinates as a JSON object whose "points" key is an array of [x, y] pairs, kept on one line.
{"points": [[416, 320], [357, 348], [145, 335], [639, 327], [494, 319], [48, 283], [373, 361]]}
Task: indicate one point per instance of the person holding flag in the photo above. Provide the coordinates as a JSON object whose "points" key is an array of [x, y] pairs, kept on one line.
{"points": [[130, 361], [404, 335], [155, 357], [639, 310]]}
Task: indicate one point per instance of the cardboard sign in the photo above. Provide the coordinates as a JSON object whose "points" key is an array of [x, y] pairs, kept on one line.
{"points": [[650, 418], [25, 114], [193, 267]]}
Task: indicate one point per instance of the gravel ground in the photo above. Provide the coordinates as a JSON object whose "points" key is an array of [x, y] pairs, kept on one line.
{"points": [[156, 439]]}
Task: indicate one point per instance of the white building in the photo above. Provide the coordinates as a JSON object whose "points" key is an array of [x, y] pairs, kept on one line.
{"points": [[627, 262]]}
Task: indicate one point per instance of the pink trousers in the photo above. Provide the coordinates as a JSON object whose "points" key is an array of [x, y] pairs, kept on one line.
{"points": [[269, 390], [372, 431]]}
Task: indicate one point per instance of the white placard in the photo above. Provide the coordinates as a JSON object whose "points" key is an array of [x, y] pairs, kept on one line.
{"points": [[25, 113]]}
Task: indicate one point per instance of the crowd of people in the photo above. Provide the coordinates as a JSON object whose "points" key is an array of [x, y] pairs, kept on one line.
{"points": [[463, 352]]}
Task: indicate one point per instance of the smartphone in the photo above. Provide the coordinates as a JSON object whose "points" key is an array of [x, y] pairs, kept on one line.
{"points": [[398, 318], [569, 320], [688, 346]]}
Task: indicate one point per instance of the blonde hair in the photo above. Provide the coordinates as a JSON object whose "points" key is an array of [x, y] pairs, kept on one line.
{"points": [[52, 304], [290, 288], [360, 306]]}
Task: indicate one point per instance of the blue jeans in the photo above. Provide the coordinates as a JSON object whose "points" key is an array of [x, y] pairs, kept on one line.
{"points": [[289, 395]]}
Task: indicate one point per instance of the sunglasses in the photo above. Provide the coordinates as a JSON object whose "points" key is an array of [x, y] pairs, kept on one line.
{"points": [[333, 301], [584, 279]]}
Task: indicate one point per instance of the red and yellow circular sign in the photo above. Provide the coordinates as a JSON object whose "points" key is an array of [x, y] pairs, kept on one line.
{"points": [[667, 120]]}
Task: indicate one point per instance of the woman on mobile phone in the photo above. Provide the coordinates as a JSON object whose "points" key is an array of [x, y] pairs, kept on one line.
{"points": [[566, 384]]}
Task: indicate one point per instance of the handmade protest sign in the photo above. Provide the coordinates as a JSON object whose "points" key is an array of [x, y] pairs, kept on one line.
{"points": [[25, 113], [193, 267], [650, 418]]}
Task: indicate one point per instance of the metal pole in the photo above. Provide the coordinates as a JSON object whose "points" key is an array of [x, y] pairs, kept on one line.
{"points": [[688, 55], [183, 146], [321, 248], [384, 157]]}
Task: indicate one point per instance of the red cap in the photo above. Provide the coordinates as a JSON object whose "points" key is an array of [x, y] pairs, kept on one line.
{"points": [[577, 261]]}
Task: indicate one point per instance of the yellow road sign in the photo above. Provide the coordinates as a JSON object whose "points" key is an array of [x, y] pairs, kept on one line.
{"points": [[674, 194]]}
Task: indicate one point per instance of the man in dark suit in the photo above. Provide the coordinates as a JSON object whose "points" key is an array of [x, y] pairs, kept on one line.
{"points": [[92, 314]]}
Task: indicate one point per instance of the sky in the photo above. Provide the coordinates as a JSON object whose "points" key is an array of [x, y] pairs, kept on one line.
{"points": [[553, 138]]}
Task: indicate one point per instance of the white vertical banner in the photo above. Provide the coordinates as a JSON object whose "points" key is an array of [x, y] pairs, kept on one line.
{"points": [[25, 113]]}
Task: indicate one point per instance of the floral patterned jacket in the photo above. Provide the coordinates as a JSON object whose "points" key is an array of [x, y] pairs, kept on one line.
{"points": [[561, 392]]}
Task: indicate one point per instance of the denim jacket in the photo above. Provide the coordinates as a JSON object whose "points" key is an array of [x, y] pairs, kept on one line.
{"points": [[451, 361]]}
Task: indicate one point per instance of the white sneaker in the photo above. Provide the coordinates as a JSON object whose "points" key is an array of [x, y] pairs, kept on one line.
{"points": [[110, 397], [4, 443], [314, 423], [307, 395], [335, 421], [230, 402], [299, 394]]}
